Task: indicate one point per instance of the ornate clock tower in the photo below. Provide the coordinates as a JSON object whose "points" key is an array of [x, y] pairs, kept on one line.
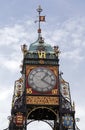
{"points": [[41, 93]]}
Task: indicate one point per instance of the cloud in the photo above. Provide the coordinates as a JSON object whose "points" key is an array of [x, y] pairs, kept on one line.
{"points": [[70, 36], [10, 64], [73, 55], [10, 35], [16, 34], [10, 40]]}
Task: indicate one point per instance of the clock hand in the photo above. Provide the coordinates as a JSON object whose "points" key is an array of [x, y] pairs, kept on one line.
{"points": [[45, 80], [47, 83], [45, 75]]}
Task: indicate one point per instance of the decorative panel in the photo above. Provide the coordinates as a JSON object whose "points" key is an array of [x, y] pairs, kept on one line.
{"points": [[42, 100]]}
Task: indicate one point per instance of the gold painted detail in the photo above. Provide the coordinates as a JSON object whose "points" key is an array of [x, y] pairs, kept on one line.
{"points": [[55, 91], [19, 119], [29, 91], [42, 54], [28, 68], [41, 61], [42, 100], [53, 68]]}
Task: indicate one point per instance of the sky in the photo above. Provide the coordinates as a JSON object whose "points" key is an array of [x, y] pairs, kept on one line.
{"points": [[64, 26]]}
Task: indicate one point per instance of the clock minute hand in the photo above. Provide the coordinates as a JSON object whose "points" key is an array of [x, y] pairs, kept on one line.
{"points": [[45, 81]]}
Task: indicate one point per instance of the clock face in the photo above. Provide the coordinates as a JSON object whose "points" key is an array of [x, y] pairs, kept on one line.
{"points": [[41, 79]]}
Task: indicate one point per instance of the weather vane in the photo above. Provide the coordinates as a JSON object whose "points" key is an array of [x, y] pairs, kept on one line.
{"points": [[41, 19]]}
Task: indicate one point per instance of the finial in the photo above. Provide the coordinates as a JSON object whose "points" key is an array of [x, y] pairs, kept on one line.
{"points": [[24, 49], [39, 9], [56, 50], [41, 19], [41, 40], [61, 73], [73, 106]]}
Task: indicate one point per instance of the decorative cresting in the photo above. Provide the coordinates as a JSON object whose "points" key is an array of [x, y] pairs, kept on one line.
{"points": [[41, 93]]}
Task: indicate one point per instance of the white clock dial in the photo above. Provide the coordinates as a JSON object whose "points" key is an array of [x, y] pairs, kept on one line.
{"points": [[42, 79]]}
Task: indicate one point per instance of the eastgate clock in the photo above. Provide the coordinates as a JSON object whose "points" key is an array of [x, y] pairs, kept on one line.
{"points": [[42, 79]]}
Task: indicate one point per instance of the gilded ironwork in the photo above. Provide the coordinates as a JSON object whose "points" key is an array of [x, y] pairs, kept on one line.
{"points": [[53, 68], [42, 100], [42, 54]]}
